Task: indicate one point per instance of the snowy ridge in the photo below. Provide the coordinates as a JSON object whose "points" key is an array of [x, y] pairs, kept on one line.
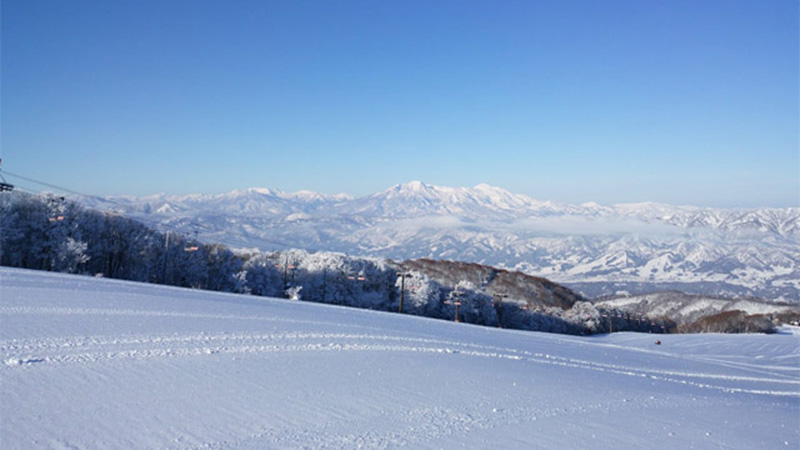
{"points": [[599, 249], [684, 309], [417, 198], [175, 368]]}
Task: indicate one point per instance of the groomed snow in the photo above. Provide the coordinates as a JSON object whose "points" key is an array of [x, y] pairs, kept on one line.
{"points": [[92, 363]]}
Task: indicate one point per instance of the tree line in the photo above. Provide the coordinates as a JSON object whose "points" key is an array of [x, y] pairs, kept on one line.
{"points": [[51, 233]]}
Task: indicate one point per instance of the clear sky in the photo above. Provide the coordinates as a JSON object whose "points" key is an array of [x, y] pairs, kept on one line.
{"points": [[685, 102]]}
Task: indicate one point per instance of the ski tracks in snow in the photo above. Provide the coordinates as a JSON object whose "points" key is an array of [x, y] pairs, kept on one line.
{"points": [[22, 353], [424, 427]]}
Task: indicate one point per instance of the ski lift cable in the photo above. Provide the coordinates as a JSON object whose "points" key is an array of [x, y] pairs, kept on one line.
{"points": [[95, 197], [60, 188], [71, 191], [164, 226], [194, 223]]}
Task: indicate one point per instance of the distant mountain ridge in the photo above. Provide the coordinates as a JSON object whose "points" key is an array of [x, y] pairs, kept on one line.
{"points": [[532, 292], [598, 249], [684, 309]]}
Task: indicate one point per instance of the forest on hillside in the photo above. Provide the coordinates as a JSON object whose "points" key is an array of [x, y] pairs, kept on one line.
{"points": [[50, 233]]}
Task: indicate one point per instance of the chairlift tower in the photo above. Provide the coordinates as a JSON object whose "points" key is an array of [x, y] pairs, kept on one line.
{"points": [[403, 289], [456, 301], [498, 306], [4, 186]]}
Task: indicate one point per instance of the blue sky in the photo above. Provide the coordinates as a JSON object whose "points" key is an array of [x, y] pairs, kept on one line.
{"points": [[686, 102]]}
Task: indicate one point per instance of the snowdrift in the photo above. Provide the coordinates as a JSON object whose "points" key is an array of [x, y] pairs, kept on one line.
{"points": [[95, 363]]}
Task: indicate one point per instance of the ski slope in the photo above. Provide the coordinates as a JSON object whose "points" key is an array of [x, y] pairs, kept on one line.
{"points": [[93, 363]]}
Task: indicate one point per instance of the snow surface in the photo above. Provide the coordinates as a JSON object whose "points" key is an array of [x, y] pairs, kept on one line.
{"points": [[93, 363]]}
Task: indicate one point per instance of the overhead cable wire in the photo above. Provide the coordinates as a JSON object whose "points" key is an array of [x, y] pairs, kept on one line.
{"points": [[71, 191], [60, 188], [81, 194], [194, 223]]}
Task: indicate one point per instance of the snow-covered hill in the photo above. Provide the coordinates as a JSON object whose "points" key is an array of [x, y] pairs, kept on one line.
{"points": [[598, 249], [94, 363], [685, 309]]}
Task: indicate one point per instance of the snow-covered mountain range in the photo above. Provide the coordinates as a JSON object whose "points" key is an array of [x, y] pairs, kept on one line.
{"points": [[595, 248]]}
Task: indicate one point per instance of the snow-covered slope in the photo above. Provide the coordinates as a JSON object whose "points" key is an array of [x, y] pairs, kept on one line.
{"points": [[92, 363], [598, 249], [683, 309]]}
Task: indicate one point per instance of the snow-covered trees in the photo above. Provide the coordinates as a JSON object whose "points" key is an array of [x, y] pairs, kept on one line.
{"points": [[23, 235], [43, 234], [423, 296], [261, 276], [324, 277], [222, 269], [585, 314], [50, 233], [475, 306], [46, 232], [70, 255]]}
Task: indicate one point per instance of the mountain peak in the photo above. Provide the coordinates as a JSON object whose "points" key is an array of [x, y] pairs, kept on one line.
{"points": [[415, 187], [488, 187], [260, 190]]}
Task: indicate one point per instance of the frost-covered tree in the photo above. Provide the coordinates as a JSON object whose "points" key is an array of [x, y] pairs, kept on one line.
{"points": [[293, 292], [584, 315], [262, 276], [476, 307], [23, 232], [223, 269], [41, 232], [48, 233], [423, 295], [70, 255]]}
